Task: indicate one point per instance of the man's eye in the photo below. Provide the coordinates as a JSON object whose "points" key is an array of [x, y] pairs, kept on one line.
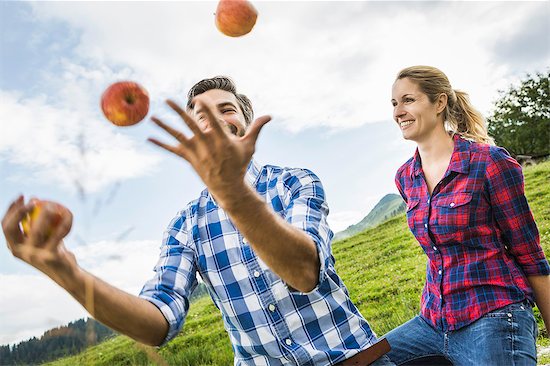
{"points": [[228, 110], [409, 100]]}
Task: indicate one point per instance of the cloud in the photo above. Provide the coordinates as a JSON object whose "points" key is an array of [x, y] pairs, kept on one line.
{"points": [[526, 43], [31, 304], [308, 63], [123, 264], [341, 220], [62, 138]]}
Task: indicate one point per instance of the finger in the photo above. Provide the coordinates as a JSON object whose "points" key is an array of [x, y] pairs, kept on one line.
{"points": [[178, 135], [41, 225], [61, 228], [10, 222], [255, 128], [214, 123], [189, 121], [179, 151], [18, 201]]}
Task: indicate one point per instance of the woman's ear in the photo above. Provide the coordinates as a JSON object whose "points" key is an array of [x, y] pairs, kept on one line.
{"points": [[441, 102]]}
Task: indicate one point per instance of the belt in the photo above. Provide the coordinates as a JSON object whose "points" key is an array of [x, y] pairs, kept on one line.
{"points": [[369, 355]]}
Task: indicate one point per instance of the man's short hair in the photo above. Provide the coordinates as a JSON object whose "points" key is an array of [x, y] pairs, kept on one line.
{"points": [[222, 83]]}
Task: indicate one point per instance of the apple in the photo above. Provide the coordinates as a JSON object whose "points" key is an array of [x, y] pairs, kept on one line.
{"points": [[125, 103], [26, 223], [235, 18]]}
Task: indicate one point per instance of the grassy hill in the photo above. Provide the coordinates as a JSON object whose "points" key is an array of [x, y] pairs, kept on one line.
{"points": [[389, 206], [383, 269]]}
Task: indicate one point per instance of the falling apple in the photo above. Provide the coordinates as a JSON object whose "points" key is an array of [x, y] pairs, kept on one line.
{"points": [[235, 18], [27, 222], [125, 103]]}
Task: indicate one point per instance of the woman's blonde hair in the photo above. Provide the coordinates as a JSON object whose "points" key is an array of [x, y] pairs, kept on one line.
{"points": [[460, 116]]}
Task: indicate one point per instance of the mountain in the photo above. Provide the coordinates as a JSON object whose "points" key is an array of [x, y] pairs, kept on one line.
{"points": [[66, 340], [389, 206]]}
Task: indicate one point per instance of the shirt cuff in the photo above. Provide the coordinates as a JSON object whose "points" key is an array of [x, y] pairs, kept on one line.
{"points": [[539, 268], [167, 312]]}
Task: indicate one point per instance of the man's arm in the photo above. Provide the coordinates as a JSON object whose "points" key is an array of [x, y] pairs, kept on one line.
{"points": [[221, 159], [44, 250], [287, 250]]}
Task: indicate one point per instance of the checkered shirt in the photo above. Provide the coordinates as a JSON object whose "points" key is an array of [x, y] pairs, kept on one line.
{"points": [[477, 231], [268, 322]]}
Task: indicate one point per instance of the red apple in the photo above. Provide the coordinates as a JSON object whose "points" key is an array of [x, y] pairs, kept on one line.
{"points": [[235, 18], [27, 221], [125, 103]]}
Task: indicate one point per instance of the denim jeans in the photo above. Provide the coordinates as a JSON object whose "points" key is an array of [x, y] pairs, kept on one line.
{"points": [[506, 336], [383, 361]]}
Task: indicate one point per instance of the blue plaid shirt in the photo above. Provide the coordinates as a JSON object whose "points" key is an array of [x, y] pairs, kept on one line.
{"points": [[268, 322]]}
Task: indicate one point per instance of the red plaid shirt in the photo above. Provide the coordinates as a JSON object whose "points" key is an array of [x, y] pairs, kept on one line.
{"points": [[477, 231]]}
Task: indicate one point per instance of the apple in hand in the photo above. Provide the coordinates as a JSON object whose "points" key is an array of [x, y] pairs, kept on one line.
{"points": [[235, 18], [27, 222], [125, 103]]}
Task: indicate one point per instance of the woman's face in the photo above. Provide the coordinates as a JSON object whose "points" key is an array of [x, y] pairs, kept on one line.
{"points": [[415, 114]]}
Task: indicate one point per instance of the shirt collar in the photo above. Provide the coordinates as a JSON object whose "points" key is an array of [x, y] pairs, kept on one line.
{"points": [[252, 173], [460, 160], [251, 177]]}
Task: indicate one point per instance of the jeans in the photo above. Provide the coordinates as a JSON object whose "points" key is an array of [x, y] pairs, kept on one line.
{"points": [[383, 361], [505, 336]]}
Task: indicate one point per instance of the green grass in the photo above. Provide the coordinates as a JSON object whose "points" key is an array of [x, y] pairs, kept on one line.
{"points": [[382, 267]]}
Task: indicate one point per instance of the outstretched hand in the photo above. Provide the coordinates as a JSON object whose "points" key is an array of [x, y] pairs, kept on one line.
{"points": [[219, 158], [42, 247]]}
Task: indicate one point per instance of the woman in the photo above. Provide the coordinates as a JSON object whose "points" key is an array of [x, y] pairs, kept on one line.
{"points": [[467, 209]]}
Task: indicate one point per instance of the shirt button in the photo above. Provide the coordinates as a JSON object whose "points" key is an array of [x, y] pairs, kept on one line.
{"points": [[509, 315], [428, 201], [435, 248], [288, 342], [452, 204], [439, 272], [426, 226], [271, 308], [440, 297], [256, 274], [245, 240]]}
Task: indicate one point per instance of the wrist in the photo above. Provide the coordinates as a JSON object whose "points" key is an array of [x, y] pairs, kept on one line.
{"points": [[65, 271]]}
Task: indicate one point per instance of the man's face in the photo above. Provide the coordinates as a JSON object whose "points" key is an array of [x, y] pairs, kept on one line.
{"points": [[225, 107]]}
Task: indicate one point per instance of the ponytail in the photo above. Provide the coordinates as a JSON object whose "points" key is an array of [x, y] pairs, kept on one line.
{"points": [[463, 119]]}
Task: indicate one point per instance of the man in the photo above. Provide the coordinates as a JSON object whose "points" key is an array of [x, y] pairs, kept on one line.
{"points": [[257, 236]]}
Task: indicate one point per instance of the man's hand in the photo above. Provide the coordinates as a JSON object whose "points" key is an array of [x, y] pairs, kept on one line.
{"points": [[42, 247], [219, 158]]}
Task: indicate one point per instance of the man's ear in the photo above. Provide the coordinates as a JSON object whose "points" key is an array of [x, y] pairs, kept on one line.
{"points": [[441, 102]]}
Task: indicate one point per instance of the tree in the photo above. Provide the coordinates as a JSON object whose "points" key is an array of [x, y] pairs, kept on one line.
{"points": [[520, 121]]}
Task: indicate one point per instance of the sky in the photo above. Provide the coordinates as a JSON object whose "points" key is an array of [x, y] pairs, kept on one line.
{"points": [[322, 70]]}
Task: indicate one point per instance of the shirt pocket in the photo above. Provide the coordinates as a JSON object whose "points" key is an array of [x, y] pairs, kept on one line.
{"points": [[452, 214], [414, 216]]}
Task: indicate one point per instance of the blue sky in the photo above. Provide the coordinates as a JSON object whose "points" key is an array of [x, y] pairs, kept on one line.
{"points": [[323, 70]]}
